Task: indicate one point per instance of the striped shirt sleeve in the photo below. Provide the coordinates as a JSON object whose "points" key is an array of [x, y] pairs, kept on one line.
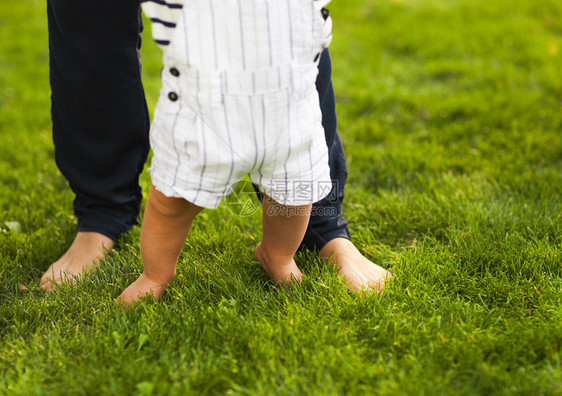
{"points": [[164, 15]]}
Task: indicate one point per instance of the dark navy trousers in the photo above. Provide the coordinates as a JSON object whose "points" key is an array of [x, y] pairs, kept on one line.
{"points": [[101, 122]]}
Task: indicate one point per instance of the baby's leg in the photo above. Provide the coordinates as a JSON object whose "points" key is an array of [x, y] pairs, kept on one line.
{"points": [[165, 226], [283, 230]]}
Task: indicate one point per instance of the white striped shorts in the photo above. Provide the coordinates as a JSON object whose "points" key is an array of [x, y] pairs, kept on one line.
{"points": [[253, 110]]}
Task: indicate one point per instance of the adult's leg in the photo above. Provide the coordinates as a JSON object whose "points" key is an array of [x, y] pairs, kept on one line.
{"points": [[100, 121], [327, 230], [327, 221]]}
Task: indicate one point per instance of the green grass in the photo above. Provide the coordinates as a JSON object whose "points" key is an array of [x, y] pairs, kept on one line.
{"points": [[450, 112]]}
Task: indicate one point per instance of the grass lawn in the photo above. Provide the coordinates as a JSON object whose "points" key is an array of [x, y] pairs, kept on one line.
{"points": [[451, 116]]}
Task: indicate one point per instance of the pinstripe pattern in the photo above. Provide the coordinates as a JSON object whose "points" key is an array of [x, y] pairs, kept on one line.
{"points": [[227, 120], [288, 114], [178, 155], [289, 19], [242, 73], [202, 131], [269, 46], [186, 47], [242, 49], [255, 138], [213, 30], [264, 145]]}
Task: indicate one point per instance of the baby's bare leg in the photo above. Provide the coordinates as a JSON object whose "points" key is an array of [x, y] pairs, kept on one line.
{"points": [[165, 226], [283, 230]]}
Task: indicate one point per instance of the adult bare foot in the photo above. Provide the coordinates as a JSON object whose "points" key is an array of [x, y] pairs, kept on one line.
{"points": [[358, 272], [86, 248]]}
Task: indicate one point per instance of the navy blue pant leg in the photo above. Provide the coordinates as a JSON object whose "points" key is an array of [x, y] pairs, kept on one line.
{"points": [[327, 221], [100, 117]]}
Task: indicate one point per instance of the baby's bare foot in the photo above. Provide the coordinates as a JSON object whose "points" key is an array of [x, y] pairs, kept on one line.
{"points": [[86, 249], [358, 272], [282, 270], [140, 288]]}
